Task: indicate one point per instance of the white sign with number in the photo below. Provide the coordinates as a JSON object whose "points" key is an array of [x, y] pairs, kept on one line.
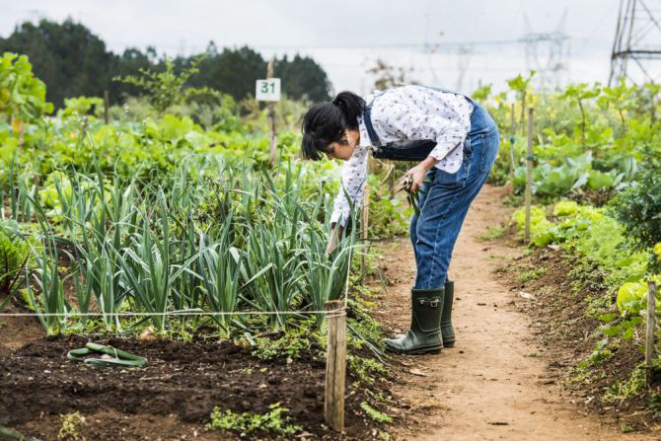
{"points": [[268, 90]]}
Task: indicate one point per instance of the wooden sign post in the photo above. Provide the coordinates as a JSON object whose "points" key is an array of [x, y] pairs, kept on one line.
{"points": [[269, 90], [336, 361], [529, 177]]}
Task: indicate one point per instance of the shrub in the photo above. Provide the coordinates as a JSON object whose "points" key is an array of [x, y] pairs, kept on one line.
{"points": [[638, 209]]}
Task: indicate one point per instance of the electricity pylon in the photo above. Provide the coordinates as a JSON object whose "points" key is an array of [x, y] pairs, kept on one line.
{"points": [[637, 39], [547, 53]]}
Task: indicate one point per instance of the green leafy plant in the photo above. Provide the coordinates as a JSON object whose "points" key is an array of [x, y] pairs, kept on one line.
{"points": [[167, 88], [293, 344], [578, 94], [520, 85], [22, 95], [14, 256], [81, 106], [621, 97], [274, 421]]}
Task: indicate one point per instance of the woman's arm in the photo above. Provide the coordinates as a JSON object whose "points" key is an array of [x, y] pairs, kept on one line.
{"points": [[353, 180], [409, 114], [354, 174]]}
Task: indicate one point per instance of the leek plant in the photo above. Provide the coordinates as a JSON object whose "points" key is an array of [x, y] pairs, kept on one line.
{"points": [[147, 268], [278, 290], [49, 299], [326, 275], [104, 222], [220, 266], [21, 190]]}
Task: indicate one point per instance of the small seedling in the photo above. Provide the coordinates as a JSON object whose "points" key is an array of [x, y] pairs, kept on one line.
{"points": [[625, 428], [374, 414], [533, 274], [493, 233], [70, 424]]}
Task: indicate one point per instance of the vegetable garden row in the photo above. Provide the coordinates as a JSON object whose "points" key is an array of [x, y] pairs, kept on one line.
{"points": [[597, 186]]}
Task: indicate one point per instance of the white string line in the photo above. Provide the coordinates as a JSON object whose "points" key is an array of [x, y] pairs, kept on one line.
{"points": [[165, 314]]}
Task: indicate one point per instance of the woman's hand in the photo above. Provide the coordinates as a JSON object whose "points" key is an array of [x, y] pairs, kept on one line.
{"points": [[417, 174]]}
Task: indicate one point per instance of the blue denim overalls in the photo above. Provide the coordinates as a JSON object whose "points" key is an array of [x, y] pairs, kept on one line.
{"points": [[445, 199]]}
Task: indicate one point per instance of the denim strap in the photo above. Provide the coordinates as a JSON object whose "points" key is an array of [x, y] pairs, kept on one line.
{"points": [[367, 119]]}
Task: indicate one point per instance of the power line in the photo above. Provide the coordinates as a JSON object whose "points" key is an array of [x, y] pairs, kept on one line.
{"points": [[421, 46]]}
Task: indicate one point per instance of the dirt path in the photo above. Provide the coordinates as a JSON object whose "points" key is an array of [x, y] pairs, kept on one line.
{"points": [[495, 384]]}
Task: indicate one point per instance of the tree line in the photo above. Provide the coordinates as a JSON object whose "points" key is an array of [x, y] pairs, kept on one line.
{"points": [[73, 61]]}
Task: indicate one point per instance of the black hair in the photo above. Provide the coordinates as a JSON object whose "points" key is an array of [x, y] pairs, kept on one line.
{"points": [[325, 123]]}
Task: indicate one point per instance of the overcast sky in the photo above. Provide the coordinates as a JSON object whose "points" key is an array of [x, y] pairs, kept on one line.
{"points": [[437, 39]]}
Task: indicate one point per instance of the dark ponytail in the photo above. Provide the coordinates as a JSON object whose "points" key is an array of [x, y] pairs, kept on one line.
{"points": [[325, 123]]}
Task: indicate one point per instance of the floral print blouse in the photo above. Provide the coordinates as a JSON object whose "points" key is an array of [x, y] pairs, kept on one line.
{"points": [[407, 113]]}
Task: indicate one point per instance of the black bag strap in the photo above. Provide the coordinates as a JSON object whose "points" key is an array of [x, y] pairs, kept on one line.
{"points": [[367, 119]]}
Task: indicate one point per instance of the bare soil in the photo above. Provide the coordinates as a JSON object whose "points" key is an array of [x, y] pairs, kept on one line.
{"points": [[171, 398], [498, 382]]}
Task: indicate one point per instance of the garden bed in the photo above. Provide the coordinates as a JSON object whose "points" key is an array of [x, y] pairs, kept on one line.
{"points": [[172, 397]]}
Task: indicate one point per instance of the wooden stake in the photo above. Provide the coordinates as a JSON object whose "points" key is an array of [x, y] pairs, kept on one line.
{"points": [[274, 134], [391, 179], [366, 211], [372, 164], [523, 113], [651, 327], [528, 177], [512, 162], [106, 106], [336, 357]]}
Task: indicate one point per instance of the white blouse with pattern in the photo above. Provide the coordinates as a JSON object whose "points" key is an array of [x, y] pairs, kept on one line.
{"points": [[407, 113]]}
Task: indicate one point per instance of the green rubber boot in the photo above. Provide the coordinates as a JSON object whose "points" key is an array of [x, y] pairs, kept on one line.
{"points": [[446, 317], [425, 334]]}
